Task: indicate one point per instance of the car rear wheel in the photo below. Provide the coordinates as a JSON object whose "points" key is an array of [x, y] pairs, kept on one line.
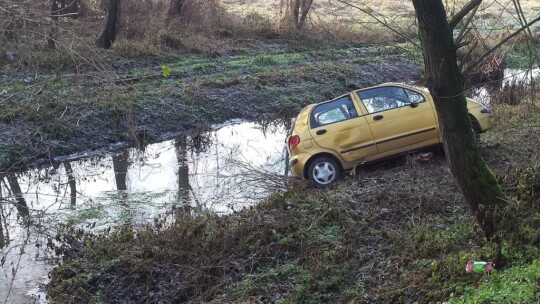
{"points": [[323, 171]]}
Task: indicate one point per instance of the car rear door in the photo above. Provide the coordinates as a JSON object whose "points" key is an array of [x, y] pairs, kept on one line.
{"points": [[336, 125], [399, 117]]}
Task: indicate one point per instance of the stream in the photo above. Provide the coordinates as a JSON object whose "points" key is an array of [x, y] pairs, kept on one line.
{"points": [[223, 169]]}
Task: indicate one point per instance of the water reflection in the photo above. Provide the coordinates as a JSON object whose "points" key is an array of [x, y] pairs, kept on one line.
{"points": [[184, 188], [484, 92], [232, 166], [72, 183], [120, 162], [17, 194]]}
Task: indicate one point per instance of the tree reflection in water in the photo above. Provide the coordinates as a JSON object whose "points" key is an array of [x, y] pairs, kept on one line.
{"points": [[72, 183], [120, 166], [184, 188], [20, 202], [231, 165], [3, 220]]}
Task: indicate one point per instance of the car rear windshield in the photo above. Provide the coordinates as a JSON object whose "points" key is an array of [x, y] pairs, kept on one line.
{"points": [[333, 111]]}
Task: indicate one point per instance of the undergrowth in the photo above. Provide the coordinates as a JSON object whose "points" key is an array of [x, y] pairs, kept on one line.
{"points": [[396, 232]]}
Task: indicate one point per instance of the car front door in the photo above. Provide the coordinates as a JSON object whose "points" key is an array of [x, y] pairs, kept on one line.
{"points": [[399, 118], [336, 125]]}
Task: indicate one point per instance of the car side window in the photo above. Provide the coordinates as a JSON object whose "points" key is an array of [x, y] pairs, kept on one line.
{"points": [[387, 98], [333, 111]]}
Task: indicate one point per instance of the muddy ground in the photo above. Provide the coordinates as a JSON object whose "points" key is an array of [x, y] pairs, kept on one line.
{"points": [[46, 115]]}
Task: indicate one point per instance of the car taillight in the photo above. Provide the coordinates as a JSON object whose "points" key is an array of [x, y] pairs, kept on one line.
{"points": [[293, 141]]}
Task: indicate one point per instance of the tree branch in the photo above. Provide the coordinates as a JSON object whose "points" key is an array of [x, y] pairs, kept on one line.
{"points": [[498, 45], [463, 12], [465, 30], [381, 22]]}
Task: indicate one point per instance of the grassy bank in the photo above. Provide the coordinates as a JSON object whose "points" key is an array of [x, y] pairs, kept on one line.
{"points": [[396, 232], [72, 113]]}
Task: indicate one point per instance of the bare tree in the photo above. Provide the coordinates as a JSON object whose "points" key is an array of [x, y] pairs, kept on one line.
{"points": [[296, 12], [110, 31]]}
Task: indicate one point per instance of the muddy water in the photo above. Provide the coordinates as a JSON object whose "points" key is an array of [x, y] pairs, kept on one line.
{"points": [[222, 170]]}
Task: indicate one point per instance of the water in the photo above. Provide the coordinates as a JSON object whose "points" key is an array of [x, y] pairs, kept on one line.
{"points": [[510, 76], [222, 170]]}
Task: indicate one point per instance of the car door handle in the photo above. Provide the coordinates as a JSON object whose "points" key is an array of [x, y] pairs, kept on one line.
{"points": [[320, 132], [378, 117]]}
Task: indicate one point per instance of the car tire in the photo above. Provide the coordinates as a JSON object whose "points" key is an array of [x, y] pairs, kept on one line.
{"points": [[323, 172]]}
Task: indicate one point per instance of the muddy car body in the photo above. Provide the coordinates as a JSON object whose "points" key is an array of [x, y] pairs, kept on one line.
{"points": [[365, 126]]}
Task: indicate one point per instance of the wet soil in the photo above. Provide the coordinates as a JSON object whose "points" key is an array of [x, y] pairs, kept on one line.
{"points": [[69, 114]]}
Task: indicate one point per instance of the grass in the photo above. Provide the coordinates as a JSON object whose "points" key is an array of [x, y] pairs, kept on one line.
{"points": [[394, 233], [517, 284]]}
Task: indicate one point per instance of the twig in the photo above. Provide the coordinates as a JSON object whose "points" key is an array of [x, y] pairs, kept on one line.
{"points": [[384, 23], [26, 88], [498, 45]]}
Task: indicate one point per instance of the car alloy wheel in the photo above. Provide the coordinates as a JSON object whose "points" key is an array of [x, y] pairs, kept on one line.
{"points": [[323, 172]]}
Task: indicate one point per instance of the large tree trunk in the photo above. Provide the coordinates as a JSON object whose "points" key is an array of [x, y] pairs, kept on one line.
{"points": [[108, 35], [445, 82]]}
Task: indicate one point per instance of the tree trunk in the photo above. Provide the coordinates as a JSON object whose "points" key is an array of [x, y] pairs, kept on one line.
{"points": [[175, 8], [51, 37], [295, 12], [108, 35], [445, 82], [306, 6]]}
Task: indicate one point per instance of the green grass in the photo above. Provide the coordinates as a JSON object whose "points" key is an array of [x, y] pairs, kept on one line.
{"points": [[517, 284]]}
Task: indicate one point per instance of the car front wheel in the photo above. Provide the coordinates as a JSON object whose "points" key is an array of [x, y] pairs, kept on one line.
{"points": [[323, 171]]}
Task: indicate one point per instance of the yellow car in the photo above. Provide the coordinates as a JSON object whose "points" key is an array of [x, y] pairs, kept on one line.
{"points": [[366, 125]]}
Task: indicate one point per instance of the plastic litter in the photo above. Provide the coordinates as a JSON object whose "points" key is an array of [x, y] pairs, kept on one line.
{"points": [[479, 267]]}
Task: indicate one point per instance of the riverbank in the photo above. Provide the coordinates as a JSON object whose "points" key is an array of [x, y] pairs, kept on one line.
{"points": [[398, 231]]}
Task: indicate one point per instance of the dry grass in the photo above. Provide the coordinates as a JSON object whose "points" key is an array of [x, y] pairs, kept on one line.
{"points": [[208, 26]]}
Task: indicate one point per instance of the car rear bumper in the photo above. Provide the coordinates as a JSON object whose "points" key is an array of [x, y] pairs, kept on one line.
{"points": [[485, 123], [297, 163]]}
